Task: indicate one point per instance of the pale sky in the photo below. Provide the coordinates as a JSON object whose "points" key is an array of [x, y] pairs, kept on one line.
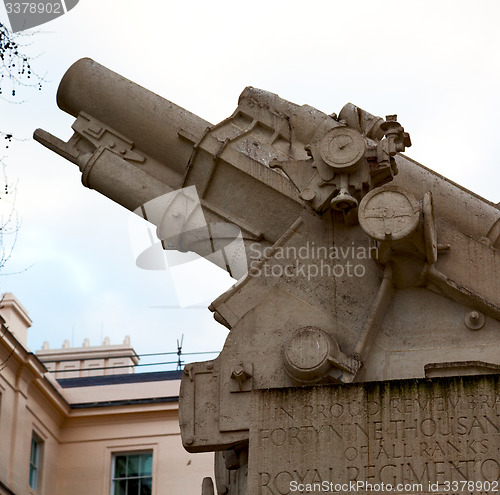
{"points": [[435, 64]]}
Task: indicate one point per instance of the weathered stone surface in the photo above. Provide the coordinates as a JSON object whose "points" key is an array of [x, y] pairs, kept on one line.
{"points": [[343, 277], [419, 432]]}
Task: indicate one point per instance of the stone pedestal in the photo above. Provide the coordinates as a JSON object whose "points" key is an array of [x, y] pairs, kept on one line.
{"points": [[407, 436]]}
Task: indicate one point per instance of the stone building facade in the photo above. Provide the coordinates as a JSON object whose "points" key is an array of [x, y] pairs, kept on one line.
{"points": [[93, 431]]}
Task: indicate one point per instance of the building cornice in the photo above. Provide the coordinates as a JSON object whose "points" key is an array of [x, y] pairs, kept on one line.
{"points": [[28, 367], [6, 489]]}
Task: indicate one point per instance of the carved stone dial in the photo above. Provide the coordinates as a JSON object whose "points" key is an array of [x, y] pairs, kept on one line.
{"points": [[342, 148], [388, 213]]}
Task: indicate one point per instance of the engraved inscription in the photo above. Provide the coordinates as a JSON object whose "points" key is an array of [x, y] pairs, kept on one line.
{"points": [[427, 432]]}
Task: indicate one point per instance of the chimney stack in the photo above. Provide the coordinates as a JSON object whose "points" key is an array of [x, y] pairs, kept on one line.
{"points": [[16, 317]]}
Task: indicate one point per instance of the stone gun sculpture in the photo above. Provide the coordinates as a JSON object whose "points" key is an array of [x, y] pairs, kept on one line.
{"points": [[359, 265]]}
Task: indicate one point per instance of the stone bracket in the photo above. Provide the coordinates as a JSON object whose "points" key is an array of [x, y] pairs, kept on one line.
{"points": [[241, 377], [100, 135]]}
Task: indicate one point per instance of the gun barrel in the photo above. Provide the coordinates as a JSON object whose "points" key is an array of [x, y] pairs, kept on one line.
{"points": [[141, 115]]}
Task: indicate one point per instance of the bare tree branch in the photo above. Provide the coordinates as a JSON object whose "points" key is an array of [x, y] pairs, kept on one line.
{"points": [[15, 66], [15, 72]]}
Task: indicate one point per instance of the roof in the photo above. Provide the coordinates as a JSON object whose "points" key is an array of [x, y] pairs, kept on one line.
{"points": [[93, 381]]}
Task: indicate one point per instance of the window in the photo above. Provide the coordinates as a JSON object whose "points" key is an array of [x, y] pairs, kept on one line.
{"points": [[35, 460], [132, 474]]}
